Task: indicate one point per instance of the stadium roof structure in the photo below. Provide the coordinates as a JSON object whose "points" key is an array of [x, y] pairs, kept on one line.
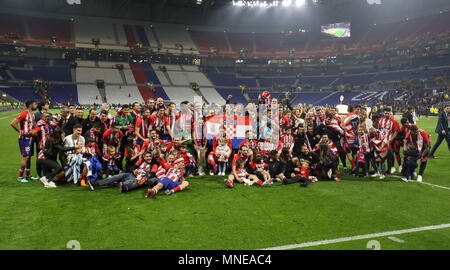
{"points": [[221, 12]]}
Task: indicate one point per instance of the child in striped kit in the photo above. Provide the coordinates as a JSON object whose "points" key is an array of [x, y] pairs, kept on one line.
{"points": [[223, 153]]}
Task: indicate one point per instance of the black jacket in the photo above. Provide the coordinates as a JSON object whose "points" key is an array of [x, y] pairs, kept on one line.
{"points": [[442, 123], [51, 150], [274, 167], [88, 124], [311, 157]]}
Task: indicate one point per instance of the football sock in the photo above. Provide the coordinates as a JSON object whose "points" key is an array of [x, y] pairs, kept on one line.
{"points": [[353, 163], [177, 189], [27, 172], [21, 172], [259, 182]]}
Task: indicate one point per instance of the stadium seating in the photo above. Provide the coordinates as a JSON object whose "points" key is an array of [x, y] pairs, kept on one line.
{"points": [[64, 93], [180, 94], [207, 39], [171, 35], [12, 24], [309, 98], [21, 93], [46, 28], [239, 41], [123, 94], [4, 75], [212, 96], [237, 95], [88, 28], [295, 41], [267, 42], [88, 94], [91, 75]]}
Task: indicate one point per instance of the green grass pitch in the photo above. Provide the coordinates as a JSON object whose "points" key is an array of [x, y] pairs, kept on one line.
{"points": [[209, 216]]}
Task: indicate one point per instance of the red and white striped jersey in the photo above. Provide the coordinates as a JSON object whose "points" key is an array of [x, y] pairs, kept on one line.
{"points": [[335, 125], [422, 137], [160, 124], [216, 140], [381, 145], [144, 126], [332, 147], [43, 130], [188, 158], [286, 141], [259, 166], [351, 124], [174, 174], [143, 168], [111, 159], [224, 152], [111, 138], [363, 143], [269, 146], [150, 146], [388, 127], [93, 150], [249, 143], [136, 149], [242, 173], [26, 120]]}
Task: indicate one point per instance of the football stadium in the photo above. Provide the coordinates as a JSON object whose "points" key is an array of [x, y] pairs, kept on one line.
{"points": [[219, 125]]}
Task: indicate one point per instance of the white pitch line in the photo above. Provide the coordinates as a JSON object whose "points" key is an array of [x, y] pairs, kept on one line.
{"points": [[395, 239], [433, 185], [359, 237]]}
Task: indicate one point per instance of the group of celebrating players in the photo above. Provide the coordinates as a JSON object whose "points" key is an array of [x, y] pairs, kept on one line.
{"points": [[158, 145]]}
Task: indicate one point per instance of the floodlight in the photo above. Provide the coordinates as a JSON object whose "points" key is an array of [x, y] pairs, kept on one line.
{"points": [[299, 3], [286, 3]]}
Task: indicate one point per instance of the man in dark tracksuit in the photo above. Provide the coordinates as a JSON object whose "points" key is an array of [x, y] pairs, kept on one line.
{"points": [[442, 129]]}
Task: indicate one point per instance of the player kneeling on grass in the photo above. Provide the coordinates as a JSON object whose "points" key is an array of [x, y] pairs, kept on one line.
{"points": [[241, 175], [47, 157], [411, 156], [172, 182]]}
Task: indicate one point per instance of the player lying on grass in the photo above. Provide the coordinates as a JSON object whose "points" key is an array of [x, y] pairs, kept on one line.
{"points": [[141, 174], [173, 181]]}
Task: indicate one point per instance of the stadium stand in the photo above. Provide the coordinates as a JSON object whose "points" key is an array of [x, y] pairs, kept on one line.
{"points": [[89, 28], [207, 39], [91, 75], [240, 41], [212, 96], [88, 94], [12, 24], [171, 36], [46, 28], [123, 94], [180, 94]]}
